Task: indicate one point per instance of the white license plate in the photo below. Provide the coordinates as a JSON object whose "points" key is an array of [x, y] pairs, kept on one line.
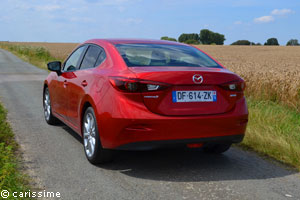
{"points": [[194, 96]]}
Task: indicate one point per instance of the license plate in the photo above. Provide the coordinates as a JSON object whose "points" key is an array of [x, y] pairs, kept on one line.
{"points": [[194, 96]]}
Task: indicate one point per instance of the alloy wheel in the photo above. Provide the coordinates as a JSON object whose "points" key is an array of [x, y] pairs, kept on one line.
{"points": [[47, 105], [89, 134]]}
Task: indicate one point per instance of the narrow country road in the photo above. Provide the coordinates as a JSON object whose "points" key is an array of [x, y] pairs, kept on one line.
{"points": [[55, 158]]}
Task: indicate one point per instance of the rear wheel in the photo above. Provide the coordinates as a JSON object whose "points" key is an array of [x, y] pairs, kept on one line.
{"points": [[217, 148], [91, 140], [50, 119]]}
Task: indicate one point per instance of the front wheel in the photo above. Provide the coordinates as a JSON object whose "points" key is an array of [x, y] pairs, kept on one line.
{"points": [[50, 119], [217, 148], [91, 140]]}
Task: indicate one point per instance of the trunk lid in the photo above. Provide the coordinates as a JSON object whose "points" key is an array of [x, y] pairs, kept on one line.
{"points": [[181, 79]]}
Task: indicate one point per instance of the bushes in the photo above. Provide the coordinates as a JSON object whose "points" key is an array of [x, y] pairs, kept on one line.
{"points": [[245, 42], [292, 42], [191, 42], [168, 38], [184, 37], [242, 42], [209, 37], [38, 52], [38, 56], [272, 42], [205, 37]]}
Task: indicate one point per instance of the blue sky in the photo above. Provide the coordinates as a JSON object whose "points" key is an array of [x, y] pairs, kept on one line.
{"points": [[79, 20]]}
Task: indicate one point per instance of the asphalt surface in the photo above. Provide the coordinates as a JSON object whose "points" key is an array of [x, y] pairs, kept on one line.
{"points": [[55, 159]]}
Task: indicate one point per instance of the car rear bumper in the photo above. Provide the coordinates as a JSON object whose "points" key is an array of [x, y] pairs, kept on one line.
{"points": [[148, 145], [148, 130]]}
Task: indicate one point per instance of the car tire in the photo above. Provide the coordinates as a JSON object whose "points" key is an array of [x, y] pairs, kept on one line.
{"points": [[50, 119], [91, 140], [217, 148]]}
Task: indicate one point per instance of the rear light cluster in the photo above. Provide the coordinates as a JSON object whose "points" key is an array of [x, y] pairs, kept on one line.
{"points": [[236, 86], [136, 85]]}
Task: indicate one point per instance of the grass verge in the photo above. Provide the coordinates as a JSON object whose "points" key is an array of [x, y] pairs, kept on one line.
{"points": [[11, 177], [37, 56], [274, 130]]}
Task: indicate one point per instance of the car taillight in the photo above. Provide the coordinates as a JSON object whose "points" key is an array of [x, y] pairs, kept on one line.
{"points": [[235, 86], [136, 85]]}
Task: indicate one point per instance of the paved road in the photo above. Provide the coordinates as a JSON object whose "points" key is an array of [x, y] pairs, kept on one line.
{"points": [[55, 158]]}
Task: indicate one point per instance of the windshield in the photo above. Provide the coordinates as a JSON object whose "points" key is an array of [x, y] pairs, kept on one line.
{"points": [[144, 55]]}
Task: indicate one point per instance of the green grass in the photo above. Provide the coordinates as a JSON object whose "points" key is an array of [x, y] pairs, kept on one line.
{"points": [[274, 130], [11, 177], [37, 56]]}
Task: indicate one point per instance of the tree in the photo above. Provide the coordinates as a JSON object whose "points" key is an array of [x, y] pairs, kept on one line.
{"points": [[206, 36], [292, 42], [272, 41], [209, 37], [168, 38], [242, 42], [218, 38], [191, 42], [188, 36]]}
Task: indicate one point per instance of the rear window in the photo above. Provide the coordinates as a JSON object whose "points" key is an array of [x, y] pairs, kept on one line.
{"points": [[143, 55]]}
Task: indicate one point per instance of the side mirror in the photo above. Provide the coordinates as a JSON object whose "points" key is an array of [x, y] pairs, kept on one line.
{"points": [[55, 66]]}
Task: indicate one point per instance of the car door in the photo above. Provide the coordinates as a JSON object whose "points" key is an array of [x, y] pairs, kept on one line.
{"points": [[78, 87], [68, 68]]}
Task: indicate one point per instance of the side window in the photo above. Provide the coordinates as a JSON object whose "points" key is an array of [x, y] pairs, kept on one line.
{"points": [[90, 57], [73, 61], [101, 58]]}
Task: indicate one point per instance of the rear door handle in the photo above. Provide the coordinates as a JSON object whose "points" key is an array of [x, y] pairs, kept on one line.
{"points": [[65, 83], [84, 83]]}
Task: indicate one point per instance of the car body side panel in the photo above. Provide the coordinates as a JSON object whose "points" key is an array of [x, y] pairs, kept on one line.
{"points": [[57, 90]]}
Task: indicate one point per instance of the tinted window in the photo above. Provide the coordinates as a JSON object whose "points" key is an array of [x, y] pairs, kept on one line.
{"points": [[73, 61], [164, 55], [101, 58], [90, 57]]}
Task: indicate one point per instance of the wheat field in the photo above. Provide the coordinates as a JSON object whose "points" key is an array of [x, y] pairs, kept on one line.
{"points": [[271, 72]]}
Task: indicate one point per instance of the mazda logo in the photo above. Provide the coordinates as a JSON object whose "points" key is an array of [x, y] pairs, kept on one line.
{"points": [[198, 79]]}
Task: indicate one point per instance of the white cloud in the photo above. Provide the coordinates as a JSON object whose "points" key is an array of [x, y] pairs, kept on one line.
{"points": [[281, 11], [274, 13], [264, 19], [47, 8], [132, 21], [5, 18], [238, 22], [111, 2], [82, 19]]}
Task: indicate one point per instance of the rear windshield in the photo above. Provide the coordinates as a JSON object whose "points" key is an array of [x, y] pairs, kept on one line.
{"points": [[143, 55]]}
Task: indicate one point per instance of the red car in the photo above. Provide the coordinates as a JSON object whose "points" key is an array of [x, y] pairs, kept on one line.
{"points": [[145, 94]]}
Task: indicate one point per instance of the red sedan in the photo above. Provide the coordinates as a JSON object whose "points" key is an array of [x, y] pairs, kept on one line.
{"points": [[145, 94]]}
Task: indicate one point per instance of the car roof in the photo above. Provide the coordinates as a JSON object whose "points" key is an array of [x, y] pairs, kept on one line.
{"points": [[133, 41]]}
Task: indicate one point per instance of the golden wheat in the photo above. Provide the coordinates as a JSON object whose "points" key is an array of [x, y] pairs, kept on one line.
{"points": [[270, 72]]}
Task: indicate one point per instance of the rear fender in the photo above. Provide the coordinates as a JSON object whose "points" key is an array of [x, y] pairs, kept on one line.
{"points": [[87, 100]]}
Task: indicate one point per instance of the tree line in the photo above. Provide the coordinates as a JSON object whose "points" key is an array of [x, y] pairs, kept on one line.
{"points": [[213, 38], [204, 37]]}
